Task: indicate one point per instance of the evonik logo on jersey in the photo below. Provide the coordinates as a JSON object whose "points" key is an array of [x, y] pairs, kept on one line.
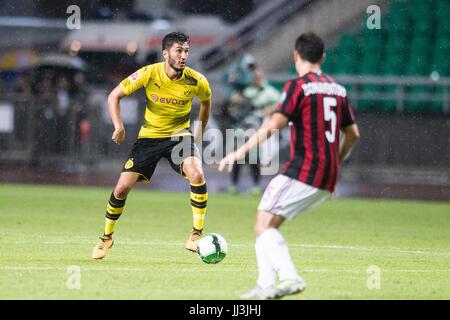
{"points": [[155, 98]]}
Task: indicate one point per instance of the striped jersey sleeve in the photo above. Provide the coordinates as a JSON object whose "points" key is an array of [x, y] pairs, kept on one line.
{"points": [[348, 117], [290, 99]]}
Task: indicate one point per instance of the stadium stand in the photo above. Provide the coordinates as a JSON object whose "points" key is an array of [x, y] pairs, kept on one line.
{"points": [[413, 41], [398, 80]]}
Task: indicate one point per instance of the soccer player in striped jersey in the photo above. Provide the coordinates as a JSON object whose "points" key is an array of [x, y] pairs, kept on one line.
{"points": [[318, 109], [170, 87]]}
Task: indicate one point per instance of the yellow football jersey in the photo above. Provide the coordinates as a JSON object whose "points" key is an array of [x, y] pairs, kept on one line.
{"points": [[169, 102]]}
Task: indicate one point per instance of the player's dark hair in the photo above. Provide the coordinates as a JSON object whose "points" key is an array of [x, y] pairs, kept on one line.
{"points": [[174, 37], [310, 47]]}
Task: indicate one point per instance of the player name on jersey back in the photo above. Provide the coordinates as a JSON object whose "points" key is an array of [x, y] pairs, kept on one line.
{"points": [[324, 88]]}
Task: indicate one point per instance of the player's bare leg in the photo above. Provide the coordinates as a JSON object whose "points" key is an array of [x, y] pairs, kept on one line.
{"points": [[113, 211], [272, 254], [192, 168], [266, 220]]}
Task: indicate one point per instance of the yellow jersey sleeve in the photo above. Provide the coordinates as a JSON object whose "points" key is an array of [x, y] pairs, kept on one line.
{"points": [[136, 80], [203, 89]]}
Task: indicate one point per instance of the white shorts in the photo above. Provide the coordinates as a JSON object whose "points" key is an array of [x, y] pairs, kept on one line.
{"points": [[288, 197]]}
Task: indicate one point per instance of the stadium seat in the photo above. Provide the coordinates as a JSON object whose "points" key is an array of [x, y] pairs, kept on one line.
{"points": [[391, 104], [330, 61], [418, 105], [371, 104], [440, 61], [413, 41], [398, 18], [418, 65], [421, 10], [346, 63], [438, 106], [442, 11]]}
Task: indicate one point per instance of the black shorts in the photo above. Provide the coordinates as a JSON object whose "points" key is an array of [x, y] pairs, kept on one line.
{"points": [[147, 152]]}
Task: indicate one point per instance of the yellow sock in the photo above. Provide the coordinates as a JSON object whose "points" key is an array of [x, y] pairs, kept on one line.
{"points": [[199, 197], [113, 211]]}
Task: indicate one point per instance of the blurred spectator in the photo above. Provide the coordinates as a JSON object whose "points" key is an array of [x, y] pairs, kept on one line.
{"points": [[23, 102], [81, 111], [247, 109], [238, 75], [45, 124], [23, 87], [235, 78], [2, 88], [81, 94], [63, 113], [263, 98]]}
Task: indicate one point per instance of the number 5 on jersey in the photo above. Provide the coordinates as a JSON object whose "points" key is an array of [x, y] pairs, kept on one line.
{"points": [[330, 115]]}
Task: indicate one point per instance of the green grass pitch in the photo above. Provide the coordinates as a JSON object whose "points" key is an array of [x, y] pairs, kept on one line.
{"points": [[338, 248]]}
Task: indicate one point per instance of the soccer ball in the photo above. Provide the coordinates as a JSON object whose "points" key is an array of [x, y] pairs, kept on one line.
{"points": [[212, 248]]}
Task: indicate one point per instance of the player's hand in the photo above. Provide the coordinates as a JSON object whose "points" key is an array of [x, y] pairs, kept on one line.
{"points": [[118, 135], [227, 162]]}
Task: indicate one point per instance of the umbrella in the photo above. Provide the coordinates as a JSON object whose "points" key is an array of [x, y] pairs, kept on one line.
{"points": [[18, 59], [62, 61]]}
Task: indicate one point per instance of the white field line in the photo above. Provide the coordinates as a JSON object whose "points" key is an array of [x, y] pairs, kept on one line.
{"points": [[186, 294], [362, 248], [196, 270], [86, 240]]}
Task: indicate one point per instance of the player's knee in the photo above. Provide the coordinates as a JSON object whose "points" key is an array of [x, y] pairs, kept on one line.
{"points": [[266, 221], [121, 191], [196, 176], [259, 227], [256, 230]]}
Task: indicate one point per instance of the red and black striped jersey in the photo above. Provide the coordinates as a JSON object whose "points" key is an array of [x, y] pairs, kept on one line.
{"points": [[318, 108]]}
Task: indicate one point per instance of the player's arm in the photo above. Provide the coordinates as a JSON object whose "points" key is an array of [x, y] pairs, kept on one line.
{"points": [[276, 122], [351, 136], [203, 117], [114, 110], [126, 87]]}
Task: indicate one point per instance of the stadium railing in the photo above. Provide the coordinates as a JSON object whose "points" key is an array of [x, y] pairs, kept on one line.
{"points": [[434, 99]]}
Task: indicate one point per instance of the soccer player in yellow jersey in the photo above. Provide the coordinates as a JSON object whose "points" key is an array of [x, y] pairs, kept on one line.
{"points": [[170, 87]]}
